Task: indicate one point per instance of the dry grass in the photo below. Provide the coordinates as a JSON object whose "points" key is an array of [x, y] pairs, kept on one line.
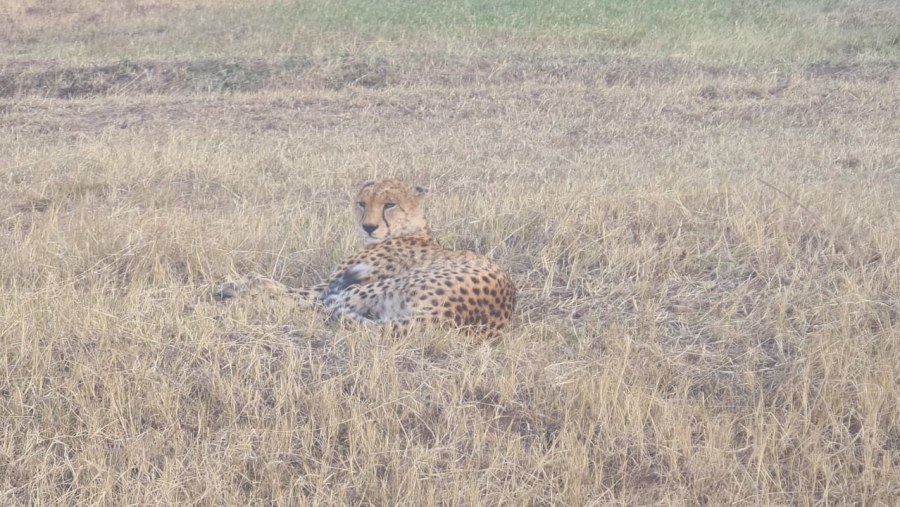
{"points": [[707, 256]]}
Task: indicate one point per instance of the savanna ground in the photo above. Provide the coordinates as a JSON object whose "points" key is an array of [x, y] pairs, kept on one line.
{"points": [[699, 201]]}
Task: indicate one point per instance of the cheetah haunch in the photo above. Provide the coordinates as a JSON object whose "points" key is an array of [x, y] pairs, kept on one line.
{"points": [[403, 275]]}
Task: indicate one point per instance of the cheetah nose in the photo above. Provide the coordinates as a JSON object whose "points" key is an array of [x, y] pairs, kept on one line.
{"points": [[369, 228]]}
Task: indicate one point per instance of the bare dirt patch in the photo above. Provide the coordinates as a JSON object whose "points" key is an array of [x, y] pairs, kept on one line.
{"points": [[43, 79]]}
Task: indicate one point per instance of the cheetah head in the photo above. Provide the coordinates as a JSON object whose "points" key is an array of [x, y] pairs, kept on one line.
{"points": [[390, 208]]}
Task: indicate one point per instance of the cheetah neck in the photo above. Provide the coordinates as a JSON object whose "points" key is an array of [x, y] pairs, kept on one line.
{"points": [[421, 235]]}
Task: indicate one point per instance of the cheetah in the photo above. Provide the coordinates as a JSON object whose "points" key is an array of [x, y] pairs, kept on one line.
{"points": [[402, 275]]}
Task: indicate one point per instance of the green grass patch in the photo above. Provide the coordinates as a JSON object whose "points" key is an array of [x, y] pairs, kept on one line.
{"points": [[708, 31]]}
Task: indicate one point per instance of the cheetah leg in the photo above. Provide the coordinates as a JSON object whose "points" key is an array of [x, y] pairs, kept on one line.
{"points": [[353, 276], [257, 286], [379, 301]]}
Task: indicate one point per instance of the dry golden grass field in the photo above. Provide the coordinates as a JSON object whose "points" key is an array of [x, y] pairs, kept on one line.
{"points": [[699, 202]]}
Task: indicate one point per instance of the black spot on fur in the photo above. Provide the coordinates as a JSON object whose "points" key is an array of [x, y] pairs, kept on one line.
{"points": [[347, 279]]}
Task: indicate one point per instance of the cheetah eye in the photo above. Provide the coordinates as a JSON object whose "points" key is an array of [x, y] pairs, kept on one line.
{"points": [[389, 205], [361, 204]]}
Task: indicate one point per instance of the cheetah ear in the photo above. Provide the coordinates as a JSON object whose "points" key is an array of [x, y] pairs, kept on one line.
{"points": [[422, 191], [368, 183]]}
